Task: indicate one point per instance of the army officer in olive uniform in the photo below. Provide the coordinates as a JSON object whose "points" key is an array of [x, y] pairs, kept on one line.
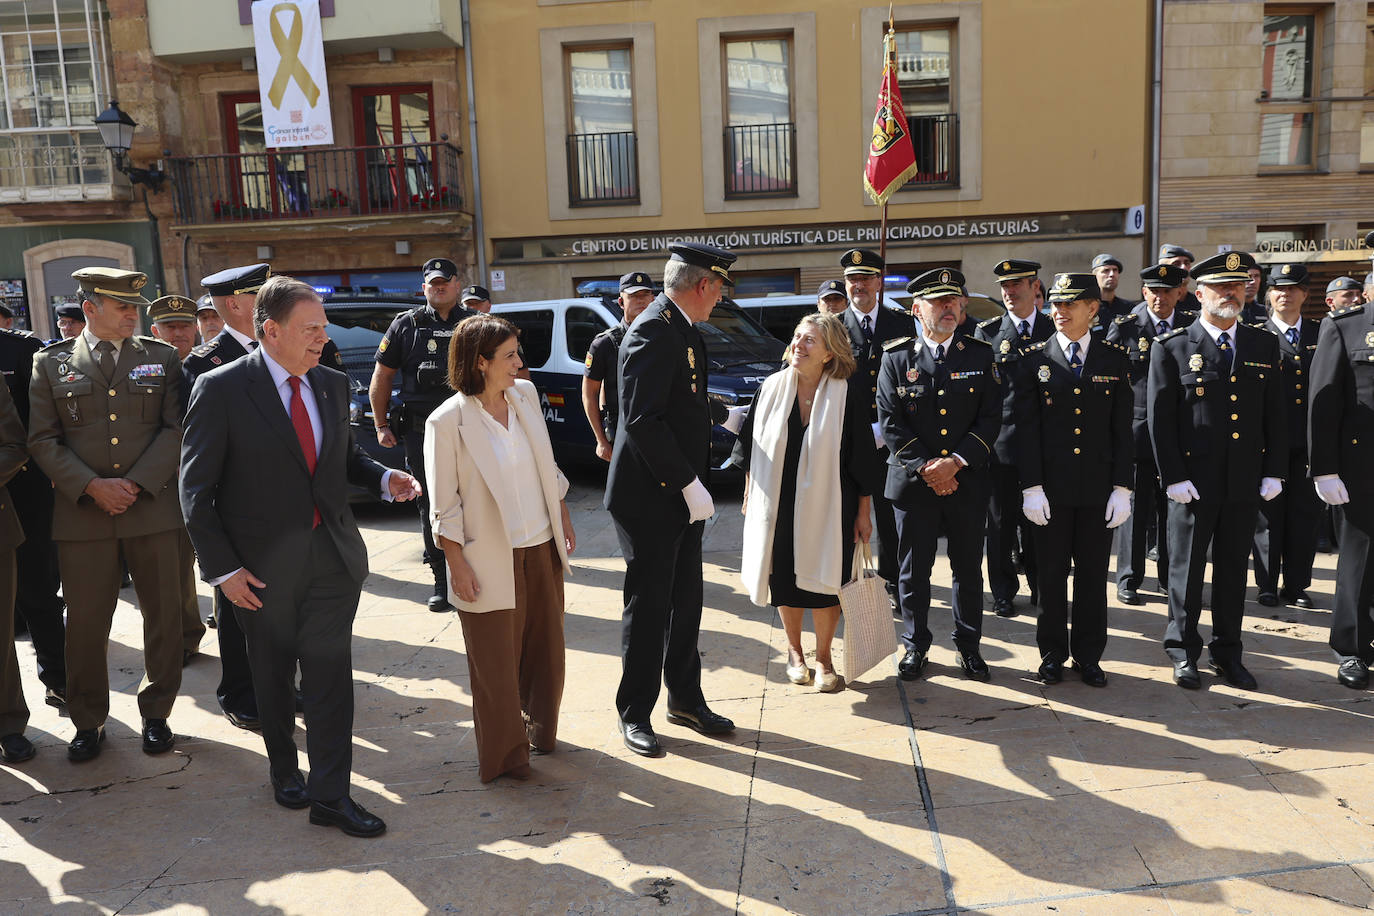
{"points": [[940, 406], [15, 747], [105, 426], [1076, 461], [1221, 439]]}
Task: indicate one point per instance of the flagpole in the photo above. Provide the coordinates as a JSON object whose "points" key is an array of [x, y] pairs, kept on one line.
{"points": [[889, 58]]}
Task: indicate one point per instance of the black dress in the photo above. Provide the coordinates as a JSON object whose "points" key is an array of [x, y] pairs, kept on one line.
{"points": [[861, 474]]}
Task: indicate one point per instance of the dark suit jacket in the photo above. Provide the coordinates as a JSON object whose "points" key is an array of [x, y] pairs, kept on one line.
{"points": [[1340, 423], [1073, 434], [1221, 434], [225, 348], [246, 494], [888, 324], [1136, 333], [1297, 375], [1006, 349]]}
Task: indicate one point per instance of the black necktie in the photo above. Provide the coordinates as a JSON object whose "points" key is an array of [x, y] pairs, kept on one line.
{"points": [[1293, 336], [1162, 328], [867, 327], [252, 345], [939, 354], [1024, 329], [1224, 345], [1075, 362]]}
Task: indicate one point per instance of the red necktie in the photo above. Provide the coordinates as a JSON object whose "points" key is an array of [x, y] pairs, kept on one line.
{"points": [[305, 433]]}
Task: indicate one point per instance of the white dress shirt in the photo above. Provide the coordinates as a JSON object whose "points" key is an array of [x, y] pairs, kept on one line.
{"points": [[1283, 328], [527, 517], [1082, 342], [1216, 332], [248, 343]]}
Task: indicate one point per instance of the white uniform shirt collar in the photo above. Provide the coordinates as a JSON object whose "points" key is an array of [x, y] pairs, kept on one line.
{"points": [[1082, 342], [243, 339]]}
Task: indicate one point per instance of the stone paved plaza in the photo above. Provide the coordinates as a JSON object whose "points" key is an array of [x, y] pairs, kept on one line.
{"points": [[931, 797]]}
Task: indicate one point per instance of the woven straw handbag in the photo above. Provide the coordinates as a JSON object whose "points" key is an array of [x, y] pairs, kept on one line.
{"points": [[868, 634]]}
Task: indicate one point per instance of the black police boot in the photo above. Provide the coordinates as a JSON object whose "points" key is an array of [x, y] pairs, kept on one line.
{"points": [[438, 602]]}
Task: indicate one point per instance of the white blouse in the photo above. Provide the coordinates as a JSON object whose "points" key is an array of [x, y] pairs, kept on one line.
{"points": [[527, 518]]}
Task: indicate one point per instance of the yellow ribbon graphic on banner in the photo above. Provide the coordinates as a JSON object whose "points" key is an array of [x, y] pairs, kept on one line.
{"points": [[290, 66]]}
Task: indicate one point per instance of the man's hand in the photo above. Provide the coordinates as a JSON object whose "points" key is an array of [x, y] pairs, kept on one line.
{"points": [[603, 450], [1331, 489], [385, 437], [1118, 506], [734, 419], [878, 441], [940, 472], [113, 495], [700, 506], [238, 588], [1182, 492], [1035, 506], [1270, 487], [403, 487]]}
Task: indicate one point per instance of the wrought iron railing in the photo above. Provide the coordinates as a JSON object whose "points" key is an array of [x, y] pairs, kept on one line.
{"points": [[935, 139], [603, 169], [760, 160], [311, 183], [55, 159]]}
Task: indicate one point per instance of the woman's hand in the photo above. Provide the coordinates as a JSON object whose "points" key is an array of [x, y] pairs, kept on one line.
{"points": [[569, 535], [463, 579], [744, 503], [863, 522]]}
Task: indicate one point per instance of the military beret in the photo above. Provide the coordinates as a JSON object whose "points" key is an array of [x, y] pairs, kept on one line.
{"points": [[438, 267], [1225, 267], [942, 281], [716, 260], [636, 282], [478, 293], [1163, 276], [172, 308], [1288, 275], [236, 281], [1073, 287], [862, 261], [1174, 251], [123, 285], [1104, 259], [1015, 269], [1340, 284], [71, 311], [831, 288]]}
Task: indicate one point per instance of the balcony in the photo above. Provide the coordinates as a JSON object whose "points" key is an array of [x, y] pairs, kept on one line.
{"points": [[54, 166], [603, 169], [332, 183], [760, 161], [936, 141]]}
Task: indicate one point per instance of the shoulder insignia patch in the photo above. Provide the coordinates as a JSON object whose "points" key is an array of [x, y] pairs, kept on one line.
{"points": [[1125, 319], [978, 340], [887, 344], [56, 345], [1169, 336], [1040, 345], [1348, 310], [990, 323]]}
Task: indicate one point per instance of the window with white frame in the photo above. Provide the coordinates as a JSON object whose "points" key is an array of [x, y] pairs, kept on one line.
{"points": [[54, 70]]}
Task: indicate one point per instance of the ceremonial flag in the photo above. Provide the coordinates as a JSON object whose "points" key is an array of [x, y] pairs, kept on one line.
{"points": [[891, 157]]}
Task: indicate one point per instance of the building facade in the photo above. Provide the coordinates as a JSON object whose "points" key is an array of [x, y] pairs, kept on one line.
{"points": [[607, 130], [1267, 132]]}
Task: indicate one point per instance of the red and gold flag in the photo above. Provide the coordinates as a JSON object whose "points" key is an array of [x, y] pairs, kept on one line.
{"points": [[891, 157]]}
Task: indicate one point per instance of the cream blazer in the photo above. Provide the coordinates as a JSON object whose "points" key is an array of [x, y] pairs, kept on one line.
{"points": [[466, 491]]}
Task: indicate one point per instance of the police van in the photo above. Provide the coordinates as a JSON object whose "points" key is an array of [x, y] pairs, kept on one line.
{"points": [[556, 333]]}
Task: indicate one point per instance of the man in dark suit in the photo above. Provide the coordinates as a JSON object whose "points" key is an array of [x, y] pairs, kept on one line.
{"points": [[1074, 454], [1221, 440], [871, 325], [1286, 531], [1008, 533], [657, 497], [939, 402], [267, 460], [1163, 286]]}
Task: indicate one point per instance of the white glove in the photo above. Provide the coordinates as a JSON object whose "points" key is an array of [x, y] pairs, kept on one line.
{"points": [[1035, 506], [877, 436], [700, 507], [735, 419], [1331, 489], [1182, 492], [1270, 487], [1118, 506]]}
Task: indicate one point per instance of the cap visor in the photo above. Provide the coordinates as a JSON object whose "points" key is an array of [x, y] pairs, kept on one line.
{"points": [[637, 289], [861, 270]]}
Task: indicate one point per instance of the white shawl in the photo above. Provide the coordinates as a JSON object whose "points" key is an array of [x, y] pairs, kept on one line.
{"points": [[817, 550]]}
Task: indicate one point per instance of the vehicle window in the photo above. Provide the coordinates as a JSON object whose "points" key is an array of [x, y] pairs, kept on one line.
{"points": [[536, 334], [731, 321], [580, 326], [357, 332]]}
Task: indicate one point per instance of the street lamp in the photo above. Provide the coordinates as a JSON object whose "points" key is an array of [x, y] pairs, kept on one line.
{"points": [[117, 133]]}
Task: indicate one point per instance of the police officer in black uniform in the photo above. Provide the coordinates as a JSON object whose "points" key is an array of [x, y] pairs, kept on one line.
{"points": [[940, 406], [36, 601], [657, 496], [871, 325], [1221, 439], [832, 298], [1008, 532], [1179, 256], [1075, 455], [1286, 531], [600, 394], [1340, 437], [1163, 285], [416, 348], [1107, 269]]}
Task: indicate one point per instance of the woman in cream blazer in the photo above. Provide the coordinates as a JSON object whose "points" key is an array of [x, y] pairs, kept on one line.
{"points": [[496, 508]]}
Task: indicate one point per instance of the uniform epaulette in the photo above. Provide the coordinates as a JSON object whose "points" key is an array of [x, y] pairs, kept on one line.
{"points": [[990, 323], [207, 347], [1191, 313], [1125, 319], [1113, 344], [978, 340], [894, 342], [1038, 345], [1348, 310], [1173, 332], [58, 343], [143, 339], [17, 332]]}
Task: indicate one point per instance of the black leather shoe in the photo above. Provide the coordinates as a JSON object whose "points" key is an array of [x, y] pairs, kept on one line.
{"points": [[701, 720], [157, 737], [975, 669], [16, 748], [248, 721], [211, 622], [1003, 607], [1152, 554], [1092, 675], [1300, 599], [640, 738], [911, 665], [1268, 599], [56, 697], [1234, 674], [300, 700], [349, 816], [187, 655], [1353, 673], [86, 745], [1186, 676], [438, 602], [290, 792], [1051, 671], [1127, 595]]}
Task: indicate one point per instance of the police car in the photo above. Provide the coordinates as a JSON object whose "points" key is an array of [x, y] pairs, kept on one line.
{"points": [[555, 335]]}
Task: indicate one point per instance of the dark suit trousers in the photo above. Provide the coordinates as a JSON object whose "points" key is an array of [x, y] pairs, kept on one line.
{"points": [[1008, 533], [885, 532], [91, 573], [192, 626], [1229, 529], [415, 461], [1286, 532], [309, 620], [1077, 535], [1352, 627], [662, 616], [1133, 539], [235, 691], [920, 520], [14, 712], [36, 600]]}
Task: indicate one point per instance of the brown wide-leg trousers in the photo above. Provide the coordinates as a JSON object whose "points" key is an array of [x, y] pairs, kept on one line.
{"points": [[515, 660]]}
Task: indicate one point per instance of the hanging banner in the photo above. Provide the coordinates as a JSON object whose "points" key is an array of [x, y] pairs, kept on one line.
{"points": [[291, 80]]}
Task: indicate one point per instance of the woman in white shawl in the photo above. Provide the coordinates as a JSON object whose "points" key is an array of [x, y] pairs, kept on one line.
{"points": [[808, 449]]}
